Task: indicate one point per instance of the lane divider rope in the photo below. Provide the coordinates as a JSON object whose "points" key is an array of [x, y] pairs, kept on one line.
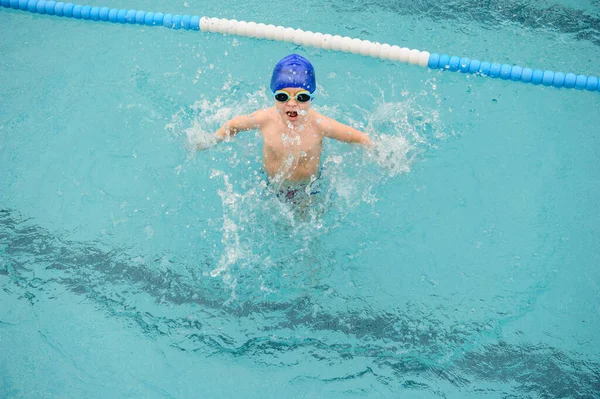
{"points": [[310, 39]]}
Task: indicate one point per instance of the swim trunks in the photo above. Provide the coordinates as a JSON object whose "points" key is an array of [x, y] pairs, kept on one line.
{"points": [[295, 192]]}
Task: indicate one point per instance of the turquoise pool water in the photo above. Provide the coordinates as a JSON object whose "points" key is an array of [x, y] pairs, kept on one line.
{"points": [[459, 260]]}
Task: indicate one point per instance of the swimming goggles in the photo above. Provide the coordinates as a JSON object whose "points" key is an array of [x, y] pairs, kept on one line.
{"points": [[302, 96]]}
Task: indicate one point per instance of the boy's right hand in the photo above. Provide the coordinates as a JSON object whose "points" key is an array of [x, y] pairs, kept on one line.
{"points": [[200, 140]]}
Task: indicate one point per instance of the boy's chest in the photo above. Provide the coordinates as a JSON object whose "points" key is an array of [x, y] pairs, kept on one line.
{"points": [[302, 143]]}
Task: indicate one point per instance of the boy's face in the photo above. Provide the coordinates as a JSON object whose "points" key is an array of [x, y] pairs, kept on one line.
{"points": [[292, 110]]}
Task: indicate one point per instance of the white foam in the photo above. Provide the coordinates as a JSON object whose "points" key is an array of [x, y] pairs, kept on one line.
{"points": [[199, 139], [252, 212], [200, 121], [393, 154]]}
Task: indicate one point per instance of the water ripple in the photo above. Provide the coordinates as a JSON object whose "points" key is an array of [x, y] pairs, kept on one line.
{"points": [[407, 345], [580, 24]]}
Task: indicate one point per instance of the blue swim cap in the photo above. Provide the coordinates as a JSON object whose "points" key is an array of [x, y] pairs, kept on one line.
{"points": [[294, 71]]}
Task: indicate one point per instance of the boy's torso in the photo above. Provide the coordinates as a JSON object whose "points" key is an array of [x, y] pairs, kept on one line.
{"points": [[291, 152]]}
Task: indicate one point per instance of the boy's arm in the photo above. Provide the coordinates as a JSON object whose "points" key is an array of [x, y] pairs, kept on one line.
{"points": [[338, 131], [240, 124]]}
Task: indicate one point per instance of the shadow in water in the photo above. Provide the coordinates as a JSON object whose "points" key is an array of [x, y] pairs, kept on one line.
{"points": [[400, 346], [582, 25]]}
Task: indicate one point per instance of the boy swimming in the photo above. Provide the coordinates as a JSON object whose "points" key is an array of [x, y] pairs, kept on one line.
{"points": [[292, 132]]}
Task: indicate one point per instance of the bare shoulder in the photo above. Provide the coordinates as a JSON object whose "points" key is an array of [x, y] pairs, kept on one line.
{"points": [[320, 121], [264, 116], [315, 116], [323, 123], [338, 131]]}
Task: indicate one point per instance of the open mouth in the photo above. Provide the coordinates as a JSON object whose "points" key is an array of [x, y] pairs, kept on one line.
{"points": [[292, 114]]}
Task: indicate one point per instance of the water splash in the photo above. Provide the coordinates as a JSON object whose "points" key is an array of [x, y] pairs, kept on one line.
{"points": [[402, 131], [393, 154], [199, 121], [267, 242]]}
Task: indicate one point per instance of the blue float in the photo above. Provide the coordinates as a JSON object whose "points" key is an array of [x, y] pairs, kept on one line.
{"points": [[41, 7], [548, 78], [32, 6], [580, 82], [537, 77], [484, 69], [59, 9], [85, 12], [77, 11], [158, 18], [130, 16], [50, 7], [505, 71], [149, 19], [195, 22], [515, 73], [140, 16], [592, 83], [559, 80], [444, 60], [103, 14], [434, 59], [495, 70], [570, 79], [68, 10], [121, 16], [464, 65], [167, 20], [95, 14], [112, 15], [185, 21], [474, 66], [526, 75], [454, 63], [176, 22]]}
